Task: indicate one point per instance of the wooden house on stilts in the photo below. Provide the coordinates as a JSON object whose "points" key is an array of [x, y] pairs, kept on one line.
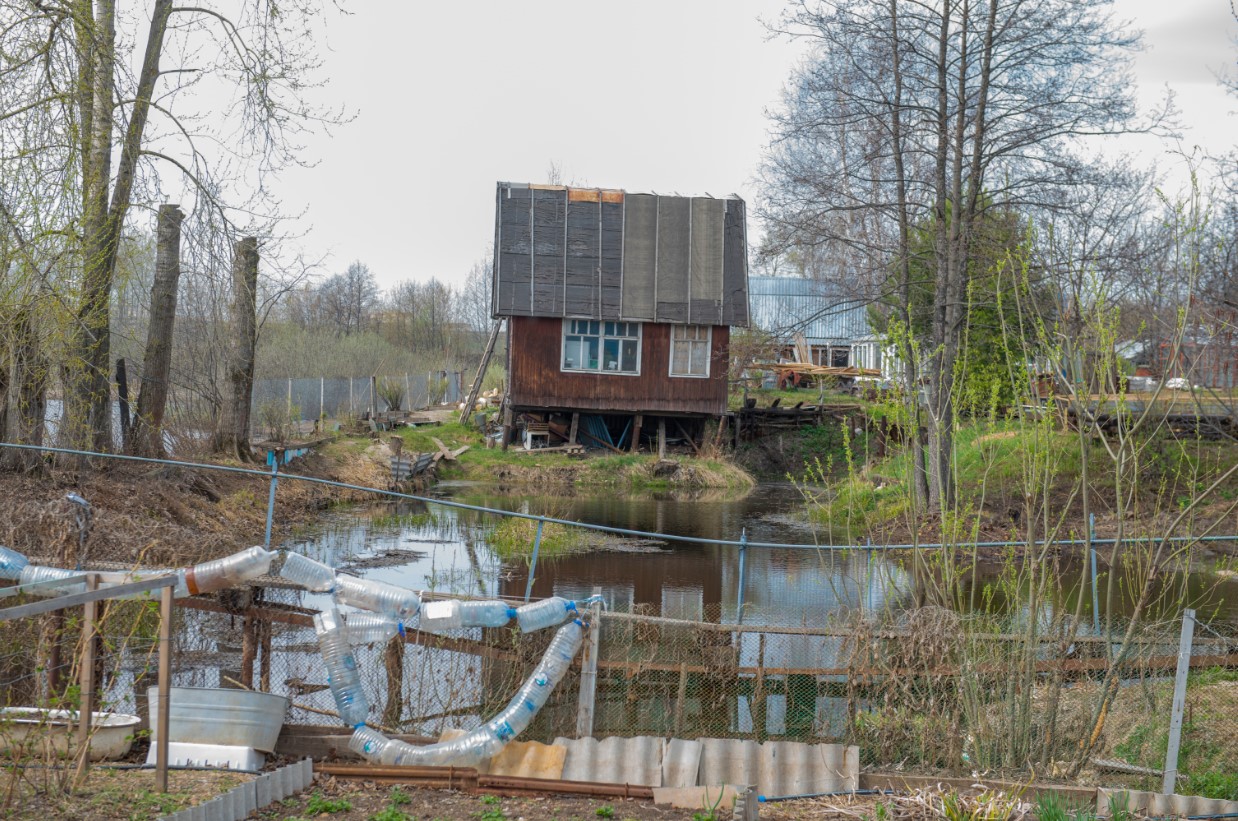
{"points": [[619, 309]]}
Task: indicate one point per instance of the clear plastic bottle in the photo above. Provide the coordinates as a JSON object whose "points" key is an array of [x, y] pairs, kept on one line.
{"points": [[440, 616], [33, 573], [453, 614], [399, 603], [342, 675], [367, 628], [229, 571], [488, 740], [485, 613], [11, 563], [310, 574], [545, 613]]}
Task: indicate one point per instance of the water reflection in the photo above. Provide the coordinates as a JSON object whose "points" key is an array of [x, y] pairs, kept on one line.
{"points": [[444, 549]]}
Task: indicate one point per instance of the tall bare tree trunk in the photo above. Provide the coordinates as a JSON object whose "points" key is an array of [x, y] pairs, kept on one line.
{"points": [[156, 366], [232, 435], [88, 411]]}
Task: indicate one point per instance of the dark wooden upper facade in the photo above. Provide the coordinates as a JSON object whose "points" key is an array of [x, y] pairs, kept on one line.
{"points": [[607, 254], [537, 379]]}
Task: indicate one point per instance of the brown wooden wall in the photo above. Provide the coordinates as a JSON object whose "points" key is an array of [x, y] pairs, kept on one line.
{"points": [[534, 348]]}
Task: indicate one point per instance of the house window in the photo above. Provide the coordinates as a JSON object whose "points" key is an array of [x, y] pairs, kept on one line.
{"points": [[838, 357], [601, 347], [690, 350]]}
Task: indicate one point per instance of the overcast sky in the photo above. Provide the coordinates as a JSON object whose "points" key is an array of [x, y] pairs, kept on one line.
{"points": [[646, 95]]}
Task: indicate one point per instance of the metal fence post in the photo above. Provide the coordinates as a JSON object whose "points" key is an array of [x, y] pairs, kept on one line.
{"points": [[275, 454], [537, 544], [1179, 702], [589, 671], [743, 567], [1095, 589], [163, 708]]}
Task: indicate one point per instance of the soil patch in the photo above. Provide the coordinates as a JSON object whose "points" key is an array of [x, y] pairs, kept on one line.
{"points": [[112, 794], [361, 801], [169, 516]]}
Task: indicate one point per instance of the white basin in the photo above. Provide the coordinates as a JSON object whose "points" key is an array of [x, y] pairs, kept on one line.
{"points": [[38, 732]]}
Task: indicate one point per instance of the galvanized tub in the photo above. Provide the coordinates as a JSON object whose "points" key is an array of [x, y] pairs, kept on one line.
{"points": [[212, 715], [34, 731]]}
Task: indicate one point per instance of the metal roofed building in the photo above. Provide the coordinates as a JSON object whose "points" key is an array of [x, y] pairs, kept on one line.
{"points": [[834, 326]]}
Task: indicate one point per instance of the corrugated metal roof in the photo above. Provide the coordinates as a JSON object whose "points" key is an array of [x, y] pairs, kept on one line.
{"points": [[780, 767], [817, 309], [614, 760]]}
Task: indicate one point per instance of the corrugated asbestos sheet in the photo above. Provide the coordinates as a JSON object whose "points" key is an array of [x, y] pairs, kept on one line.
{"points": [[776, 767], [780, 767], [605, 254], [1159, 805], [614, 760], [785, 305]]}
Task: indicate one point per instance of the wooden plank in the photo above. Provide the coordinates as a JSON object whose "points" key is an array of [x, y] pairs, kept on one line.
{"points": [[443, 451], [471, 402]]}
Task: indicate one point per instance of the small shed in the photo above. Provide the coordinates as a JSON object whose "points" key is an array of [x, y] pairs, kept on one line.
{"points": [[619, 304]]}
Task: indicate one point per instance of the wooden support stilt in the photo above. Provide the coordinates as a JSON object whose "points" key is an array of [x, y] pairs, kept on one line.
{"points": [[662, 438], [507, 425], [636, 426], [394, 662], [571, 439]]}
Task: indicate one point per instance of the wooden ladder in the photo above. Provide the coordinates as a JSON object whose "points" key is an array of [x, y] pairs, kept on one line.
{"points": [[481, 372]]}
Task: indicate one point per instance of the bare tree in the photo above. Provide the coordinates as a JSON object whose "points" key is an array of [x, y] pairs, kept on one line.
{"points": [[930, 114]]}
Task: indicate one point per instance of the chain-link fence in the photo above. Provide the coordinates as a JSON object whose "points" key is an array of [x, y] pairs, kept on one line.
{"points": [[932, 692], [319, 398]]}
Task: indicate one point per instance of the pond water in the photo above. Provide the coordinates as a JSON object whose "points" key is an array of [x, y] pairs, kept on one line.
{"points": [[432, 547]]}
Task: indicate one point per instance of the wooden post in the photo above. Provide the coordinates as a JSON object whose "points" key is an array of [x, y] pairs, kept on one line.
{"points": [[681, 697], [249, 651], [662, 438], [636, 432], [264, 669], [760, 715], [373, 397], [394, 662], [507, 425], [163, 713], [589, 672], [86, 681], [571, 439], [122, 397]]}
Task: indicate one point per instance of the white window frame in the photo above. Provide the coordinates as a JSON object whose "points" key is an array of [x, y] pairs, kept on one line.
{"points": [[709, 347], [602, 336]]}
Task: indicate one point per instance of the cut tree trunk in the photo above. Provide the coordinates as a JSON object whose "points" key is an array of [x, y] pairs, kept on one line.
{"points": [[232, 434], [153, 395]]}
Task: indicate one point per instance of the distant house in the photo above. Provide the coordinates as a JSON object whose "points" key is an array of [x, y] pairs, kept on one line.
{"points": [[814, 313], [619, 305]]}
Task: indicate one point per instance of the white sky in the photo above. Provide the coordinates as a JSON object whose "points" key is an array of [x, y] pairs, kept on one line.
{"points": [[647, 95]]}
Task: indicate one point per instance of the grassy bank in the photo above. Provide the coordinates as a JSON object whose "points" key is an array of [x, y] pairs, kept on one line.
{"points": [[623, 472], [1008, 470]]}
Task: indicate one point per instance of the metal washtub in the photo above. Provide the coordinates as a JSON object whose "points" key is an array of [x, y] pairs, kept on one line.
{"points": [[206, 715]]}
